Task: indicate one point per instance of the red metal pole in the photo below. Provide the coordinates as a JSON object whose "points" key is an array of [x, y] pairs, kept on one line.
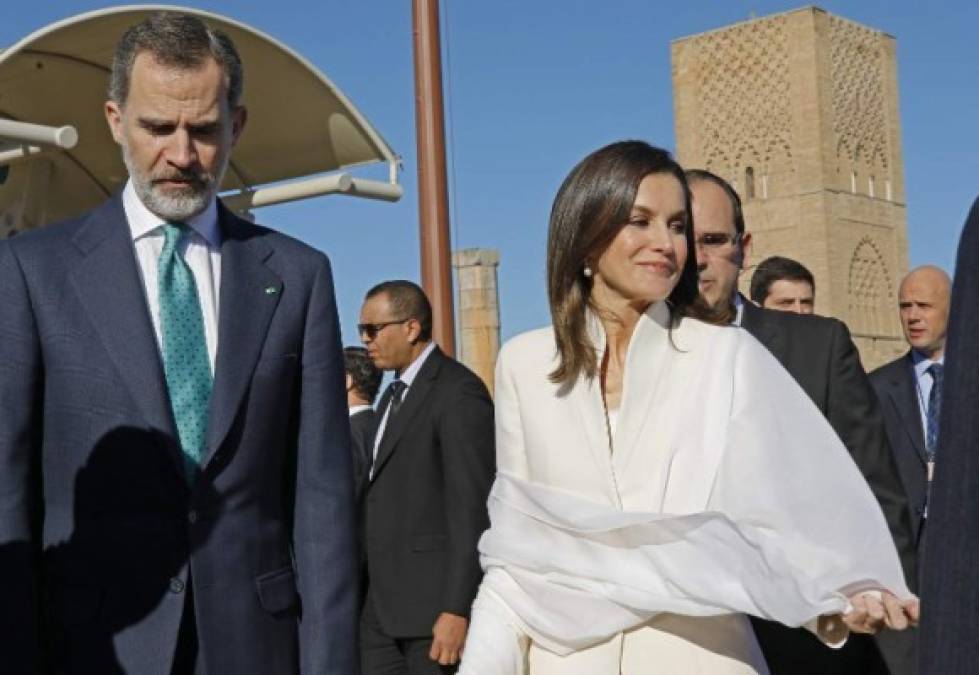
{"points": [[433, 203]]}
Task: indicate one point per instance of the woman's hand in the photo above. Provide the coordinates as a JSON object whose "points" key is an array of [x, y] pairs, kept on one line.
{"points": [[873, 610]]}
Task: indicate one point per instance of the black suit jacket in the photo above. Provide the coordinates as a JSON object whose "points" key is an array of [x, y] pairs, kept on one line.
{"points": [[100, 533], [426, 505], [363, 428], [896, 387], [819, 354], [950, 592]]}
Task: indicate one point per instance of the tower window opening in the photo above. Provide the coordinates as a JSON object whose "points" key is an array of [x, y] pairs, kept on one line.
{"points": [[749, 183]]}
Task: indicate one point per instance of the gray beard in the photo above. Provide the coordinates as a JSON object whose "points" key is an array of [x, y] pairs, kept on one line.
{"points": [[177, 206]]}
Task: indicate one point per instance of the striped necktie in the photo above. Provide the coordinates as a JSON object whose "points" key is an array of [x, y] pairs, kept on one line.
{"points": [[186, 364], [934, 408]]}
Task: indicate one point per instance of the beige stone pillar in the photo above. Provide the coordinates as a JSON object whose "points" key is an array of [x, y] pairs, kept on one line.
{"points": [[478, 310]]}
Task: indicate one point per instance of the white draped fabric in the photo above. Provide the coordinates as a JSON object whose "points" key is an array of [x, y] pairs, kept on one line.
{"points": [[723, 491]]}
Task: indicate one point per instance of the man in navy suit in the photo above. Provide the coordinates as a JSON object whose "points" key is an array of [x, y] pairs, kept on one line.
{"points": [[909, 389], [949, 592], [175, 475], [908, 386]]}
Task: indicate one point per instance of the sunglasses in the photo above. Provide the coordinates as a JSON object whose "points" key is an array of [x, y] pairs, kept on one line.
{"points": [[370, 330]]}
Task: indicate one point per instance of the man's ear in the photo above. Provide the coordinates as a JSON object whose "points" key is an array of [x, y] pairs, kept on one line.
{"points": [[239, 116], [414, 330], [350, 382], [113, 116], [744, 252]]}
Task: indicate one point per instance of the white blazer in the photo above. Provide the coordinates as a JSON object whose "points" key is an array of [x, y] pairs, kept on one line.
{"points": [[721, 491]]}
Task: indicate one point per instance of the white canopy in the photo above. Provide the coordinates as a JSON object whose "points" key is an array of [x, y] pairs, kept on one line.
{"points": [[300, 124]]}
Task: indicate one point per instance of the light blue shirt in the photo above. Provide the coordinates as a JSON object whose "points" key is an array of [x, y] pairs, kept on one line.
{"points": [[923, 383]]}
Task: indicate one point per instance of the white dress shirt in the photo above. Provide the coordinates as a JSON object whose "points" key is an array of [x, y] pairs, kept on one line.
{"points": [[201, 250], [923, 383], [408, 376], [358, 408], [738, 310]]}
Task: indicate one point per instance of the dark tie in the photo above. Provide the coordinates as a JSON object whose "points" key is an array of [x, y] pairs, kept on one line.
{"points": [[397, 390], [934, 407], [394, 394]]}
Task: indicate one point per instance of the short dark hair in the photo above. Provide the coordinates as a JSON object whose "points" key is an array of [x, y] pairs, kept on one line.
{"points": [[360, 368], [177, 40], [777, 268], [408, 301], [695, 175], [591, 207]]}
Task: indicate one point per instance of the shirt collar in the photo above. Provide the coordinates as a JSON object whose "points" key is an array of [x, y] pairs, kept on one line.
{"points": [[358, 408], [922, 363], [408, 376], [142, 221], [738, 303]]}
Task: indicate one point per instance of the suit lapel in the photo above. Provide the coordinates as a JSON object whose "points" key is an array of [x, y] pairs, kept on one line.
{"points": [[757, 322], [647, 368], [108, 284], [586, 393], [250, 292], [413, 401], [904, 396]]}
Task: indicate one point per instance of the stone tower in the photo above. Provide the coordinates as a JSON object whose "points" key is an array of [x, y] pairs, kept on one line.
{"points": [[799, 112]]}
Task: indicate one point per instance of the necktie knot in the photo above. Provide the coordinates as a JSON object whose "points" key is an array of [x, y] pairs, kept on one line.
{"points": [[937, 371], [397, 389]]}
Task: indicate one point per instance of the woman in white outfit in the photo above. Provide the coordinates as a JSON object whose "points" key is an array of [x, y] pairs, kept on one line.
{"points": [[659, 474]]}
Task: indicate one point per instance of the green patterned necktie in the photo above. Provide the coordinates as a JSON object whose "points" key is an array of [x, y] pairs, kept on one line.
{"points": [[185, 361]]}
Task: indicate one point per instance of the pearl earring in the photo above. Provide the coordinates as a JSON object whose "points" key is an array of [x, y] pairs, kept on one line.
{"points": [[587, 272]]}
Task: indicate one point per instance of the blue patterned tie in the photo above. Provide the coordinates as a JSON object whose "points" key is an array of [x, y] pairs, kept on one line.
{"points": [[185, 361], [934, 407]]}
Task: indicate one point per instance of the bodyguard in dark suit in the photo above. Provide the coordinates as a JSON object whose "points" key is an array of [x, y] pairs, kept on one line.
{"points": [[433, 464], [821, 357], [363, 382], [909, 389], [950, 594], [174, 449]]}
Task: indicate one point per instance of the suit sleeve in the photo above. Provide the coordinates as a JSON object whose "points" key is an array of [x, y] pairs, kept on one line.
{"points": [[854, 413], [324, 537], [20, 440], [466, 441]]}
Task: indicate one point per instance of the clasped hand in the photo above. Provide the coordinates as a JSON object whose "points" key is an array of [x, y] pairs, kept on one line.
{"points": [[448, 637], [871, 611]]}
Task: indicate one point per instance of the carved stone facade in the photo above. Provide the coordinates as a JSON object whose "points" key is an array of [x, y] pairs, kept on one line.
{"points": [[799, 112]]}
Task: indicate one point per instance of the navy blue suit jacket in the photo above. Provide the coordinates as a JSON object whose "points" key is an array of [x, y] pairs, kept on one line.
{"points": [[100, 533], [949, 588], [898, 393]]}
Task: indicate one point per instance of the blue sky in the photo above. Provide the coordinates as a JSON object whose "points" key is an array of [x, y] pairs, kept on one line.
{"points": [[531, 87]]}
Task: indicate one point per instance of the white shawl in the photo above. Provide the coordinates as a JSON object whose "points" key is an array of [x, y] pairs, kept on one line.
{"points": [[764, 513]]}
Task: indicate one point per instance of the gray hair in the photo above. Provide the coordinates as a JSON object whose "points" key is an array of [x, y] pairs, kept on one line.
{"points": [[180, 41]]}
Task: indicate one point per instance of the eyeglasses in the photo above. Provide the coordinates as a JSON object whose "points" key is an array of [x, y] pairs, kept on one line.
{"points": [[713, 241], [370, 330]]}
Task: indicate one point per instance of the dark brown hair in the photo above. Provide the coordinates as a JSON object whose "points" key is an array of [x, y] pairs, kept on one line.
{"points": [[777, 268], [179, 41], [591, 207]]}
